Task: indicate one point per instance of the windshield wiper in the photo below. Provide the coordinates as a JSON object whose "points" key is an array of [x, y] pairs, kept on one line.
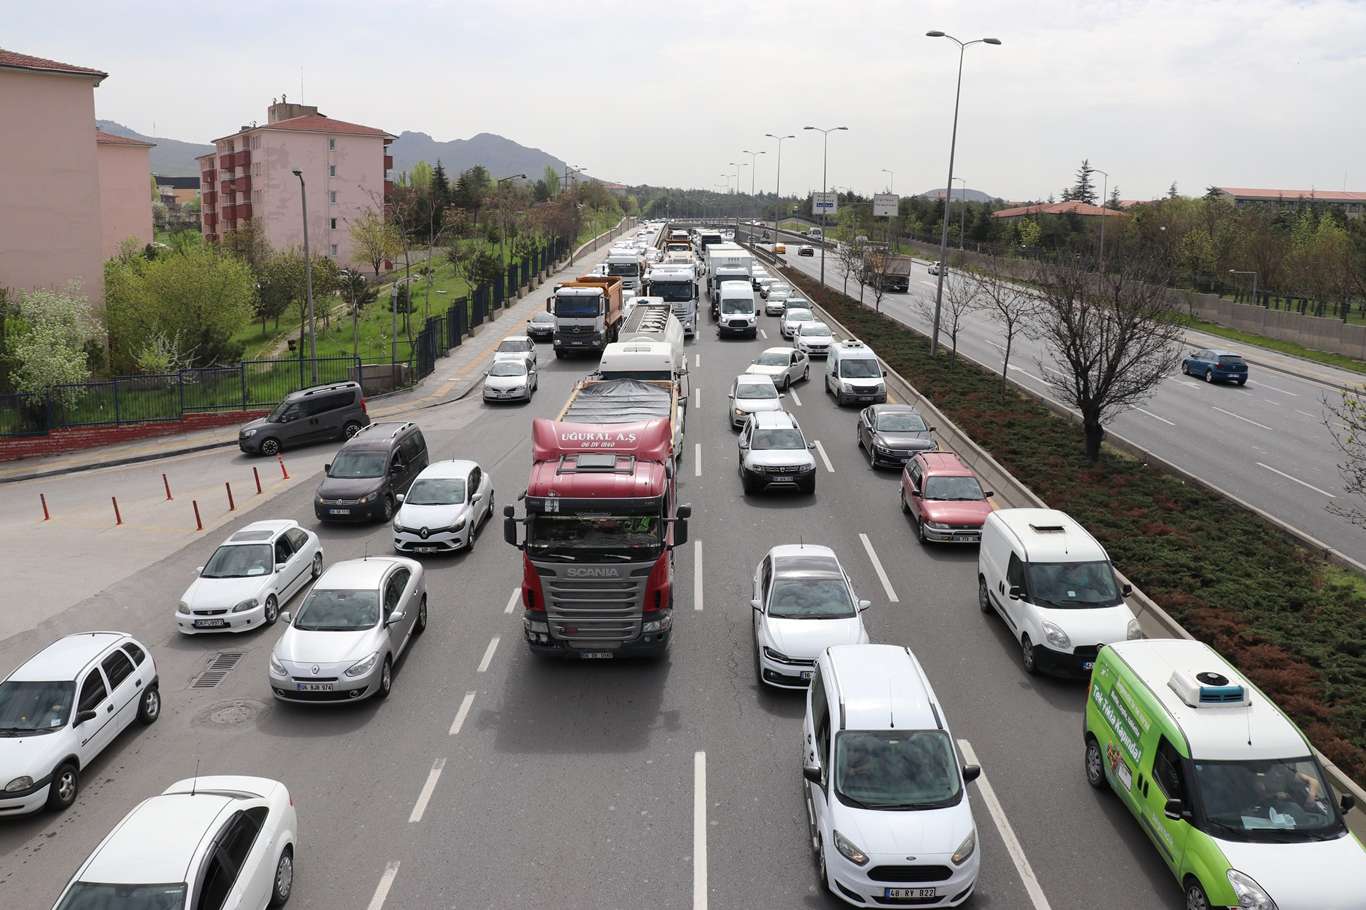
{"points": [[18, 729], [549, 555], [854, 802]]}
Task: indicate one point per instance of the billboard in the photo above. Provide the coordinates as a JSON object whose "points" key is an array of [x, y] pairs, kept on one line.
{"points": [[824, 203], [885, 205]]}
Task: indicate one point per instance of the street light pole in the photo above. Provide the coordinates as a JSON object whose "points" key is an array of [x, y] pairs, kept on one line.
{"points": [[962, 211], [1105, 188], [753, 169], [778, 182], [948, 187], [825, 160], [308, 281]]}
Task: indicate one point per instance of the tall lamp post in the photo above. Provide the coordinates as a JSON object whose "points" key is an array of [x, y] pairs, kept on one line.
{"points": [[778, 181], [948, 187], [1105, 188], [308, 280], [825, 160], [962, 211], [1254, 281], [891, 188], [753, 169]]}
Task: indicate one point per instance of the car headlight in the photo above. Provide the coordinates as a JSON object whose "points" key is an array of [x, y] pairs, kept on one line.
{"points": [[244, 606], [249, 432], [368, 497], [850, 852], [1250, 894], [739, 413], [965, 849], [397, 527], [937, 525], [659, 625], [459, 525], [182, 607], [19, 783], [361, 667], [779, 656], [1055, 635], [277, 668], [1134, 631]]}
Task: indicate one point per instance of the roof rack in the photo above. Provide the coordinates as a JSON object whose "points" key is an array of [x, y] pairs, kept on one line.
{"points": [[399, 428], [596, 463]]}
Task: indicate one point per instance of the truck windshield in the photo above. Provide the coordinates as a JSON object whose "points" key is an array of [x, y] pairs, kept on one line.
{"points": [[577, 307], [1269, 801], [597, 530], [1072, 585], [672, 290], [737, 305], [626, 269]]}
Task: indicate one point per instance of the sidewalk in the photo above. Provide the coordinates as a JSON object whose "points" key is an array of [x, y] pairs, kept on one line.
{"points": [[455, 375]]}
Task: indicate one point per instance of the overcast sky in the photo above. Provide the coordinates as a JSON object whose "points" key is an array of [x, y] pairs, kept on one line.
{"points": [[1249, 93]]}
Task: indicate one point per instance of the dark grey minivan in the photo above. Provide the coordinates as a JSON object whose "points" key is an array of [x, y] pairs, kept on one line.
{"points": [[317, 414], [369, 471]]}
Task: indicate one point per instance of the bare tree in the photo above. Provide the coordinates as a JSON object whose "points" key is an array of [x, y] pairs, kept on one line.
{"points": [[1115, 335], [961, 296], [849, 257], [1347, 422], [875, 272], [1009, 303]]}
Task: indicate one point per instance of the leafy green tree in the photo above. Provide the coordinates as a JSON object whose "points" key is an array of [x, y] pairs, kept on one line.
{"points": [[375, 239], [421, 176], [484, 269], [541, 192], [48, 341], [552, 180]]}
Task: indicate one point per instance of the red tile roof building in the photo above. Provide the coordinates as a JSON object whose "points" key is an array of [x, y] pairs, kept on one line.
{"points": [[1353, 203]]}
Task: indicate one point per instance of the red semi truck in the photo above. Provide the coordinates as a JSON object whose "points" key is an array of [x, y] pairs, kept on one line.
{"points": [[601, 521]]}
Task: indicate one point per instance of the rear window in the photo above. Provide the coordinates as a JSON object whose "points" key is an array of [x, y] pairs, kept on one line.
{"points": [[1231, 361]]}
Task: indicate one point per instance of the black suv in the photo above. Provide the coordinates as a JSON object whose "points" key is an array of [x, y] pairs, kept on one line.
{"points": [[323, 412], [369, 470]]}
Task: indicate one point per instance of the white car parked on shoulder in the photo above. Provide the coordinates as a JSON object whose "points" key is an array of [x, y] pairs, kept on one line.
{"points": [[220, 842], [62, 707], [250, 577]]}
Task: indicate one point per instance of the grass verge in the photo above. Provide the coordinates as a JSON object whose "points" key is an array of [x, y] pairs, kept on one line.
{"points": [[1341, 361], [1290, 620]]}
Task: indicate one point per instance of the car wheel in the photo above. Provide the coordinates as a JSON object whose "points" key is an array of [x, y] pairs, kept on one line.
{"points": [[872, 457], [149, 708], [983, 598], [1242, 382], [905, 509], [421, 625], [386, 679], [469, 541], [746, 482], [1195, 896], [1095, 764], [1185, 370], [317, 565], [388, 506], [1027, 655], [820, 867], [920, 532], [1209, 376], [66, 783], [351, 428], [272, 610], [806, 373], [284, 879], [270, 446]]}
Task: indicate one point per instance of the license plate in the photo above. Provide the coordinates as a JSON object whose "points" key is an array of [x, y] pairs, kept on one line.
{"points": [[806, 674], [910, 892], [210, 623], [425, 549], [596, 655], [972, 538], [316, 687], [338, 511], [1087, 664]]}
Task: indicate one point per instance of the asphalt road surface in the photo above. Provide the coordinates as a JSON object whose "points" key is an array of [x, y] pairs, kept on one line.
{"points": [[493, 779]]}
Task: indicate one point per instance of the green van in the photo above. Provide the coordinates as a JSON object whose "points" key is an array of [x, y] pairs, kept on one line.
{"points": [[1221, 781]]}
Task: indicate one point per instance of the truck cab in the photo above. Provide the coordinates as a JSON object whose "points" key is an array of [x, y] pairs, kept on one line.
{"points": [[625, 263], [587, 313], [677, 286]]}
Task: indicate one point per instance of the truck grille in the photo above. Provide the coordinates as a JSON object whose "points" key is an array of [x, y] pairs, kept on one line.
{"points": [[592, 610]]}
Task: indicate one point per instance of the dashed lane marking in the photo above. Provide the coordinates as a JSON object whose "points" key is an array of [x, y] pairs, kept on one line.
{"points": [[428, 788], [1013, 847], [877, 567], [461, 713], [386, 881], [488, 654]]}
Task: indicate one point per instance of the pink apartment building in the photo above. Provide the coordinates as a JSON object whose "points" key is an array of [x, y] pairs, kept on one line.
{"points": [[250, 179], [68, 196]]}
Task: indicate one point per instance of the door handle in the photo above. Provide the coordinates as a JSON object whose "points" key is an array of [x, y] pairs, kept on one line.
{"points": [[1001, 587], [137, 684], [109, 710]]}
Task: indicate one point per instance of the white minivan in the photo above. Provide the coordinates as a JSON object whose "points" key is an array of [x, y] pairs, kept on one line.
{"points": [[736, 313], [853, 374], [1053, 584]]}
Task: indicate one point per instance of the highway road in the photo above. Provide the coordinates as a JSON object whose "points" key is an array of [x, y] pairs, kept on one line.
{"points": [[1265, 442], [492, 779]]}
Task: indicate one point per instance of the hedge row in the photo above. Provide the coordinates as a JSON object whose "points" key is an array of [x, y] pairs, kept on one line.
{"points": [[1293, 622]]}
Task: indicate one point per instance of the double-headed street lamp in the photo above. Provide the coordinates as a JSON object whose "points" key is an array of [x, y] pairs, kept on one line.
{"points": [[825, 160], [753, 169], [1105, 189], [948, 188], [308, 280], [778, 181]]}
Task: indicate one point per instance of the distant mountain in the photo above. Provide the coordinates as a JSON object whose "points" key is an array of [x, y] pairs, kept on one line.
{"points": [[170, 157], [959, 193], [502, 157]]}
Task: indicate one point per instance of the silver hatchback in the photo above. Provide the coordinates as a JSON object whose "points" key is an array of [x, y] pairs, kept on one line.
{"points": [[343, 642]]}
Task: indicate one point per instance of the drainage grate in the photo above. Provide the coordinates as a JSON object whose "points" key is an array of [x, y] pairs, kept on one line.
{"points": [[222, 662]]}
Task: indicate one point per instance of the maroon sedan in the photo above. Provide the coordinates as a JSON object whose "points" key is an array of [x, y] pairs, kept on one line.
{"points": [[944, 498]]}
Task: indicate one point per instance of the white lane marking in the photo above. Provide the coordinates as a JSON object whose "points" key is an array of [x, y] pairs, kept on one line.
{"points": [[1296, 479], [1262, 385], [1029, 374], [697, 461], [512, 601], [1013, 847], [488, 654], [1238, 417], [999, 347], [1269, 403], [820, 450], [697, 397], [877, 567], [699, 831], [461, 713], [1155, 417], [697, 575], [427, 789], [697, 360], [795, 400], [763, 334], [1308, 414], [386, 881]]}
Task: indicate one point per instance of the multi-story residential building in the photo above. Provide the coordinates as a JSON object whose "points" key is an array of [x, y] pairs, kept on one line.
{"points": [[250, 179], [69, 195], [177, 190]]}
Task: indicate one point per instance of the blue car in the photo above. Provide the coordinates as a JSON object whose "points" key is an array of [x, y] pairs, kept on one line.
{"points": [[1215, 366]]}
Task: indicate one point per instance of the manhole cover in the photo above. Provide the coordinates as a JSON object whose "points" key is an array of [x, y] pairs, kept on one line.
{"points": [[233, 713]]}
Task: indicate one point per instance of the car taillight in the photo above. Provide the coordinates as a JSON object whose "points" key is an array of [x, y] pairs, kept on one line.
{"points": [[533, 595], [657, 593], [362, 407]]}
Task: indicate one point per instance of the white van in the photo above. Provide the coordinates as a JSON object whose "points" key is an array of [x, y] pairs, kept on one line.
{"points": [[736, 314], [854, 374], [1053, 584]]}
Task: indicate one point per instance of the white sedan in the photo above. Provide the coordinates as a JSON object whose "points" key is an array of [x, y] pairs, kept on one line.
{"points": [[791, 317], [249, 578], [783, 365], [802, 603], [510, 380]]}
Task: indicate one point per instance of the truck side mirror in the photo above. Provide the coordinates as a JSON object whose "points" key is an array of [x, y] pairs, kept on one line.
{"points": [[1175, 810], [510, 527], [812, 773]]}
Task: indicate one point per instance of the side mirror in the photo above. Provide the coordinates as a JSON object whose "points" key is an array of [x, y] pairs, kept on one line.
{"points": [[811, 446], [812, 774], [863, 605], [285, 617], [1126, 590], [1347, 803], [743, 445], [510, 527], [280, 566], [681, 529], [928, 429], [398, 497], [395, 469], [198, 570], [685, 511], [731, 396], [327, 469], [971, 773], [987, 494], [884, 372], [1016, 592], [394, 617], [1174, 809], [83, 716], [756, 606]]}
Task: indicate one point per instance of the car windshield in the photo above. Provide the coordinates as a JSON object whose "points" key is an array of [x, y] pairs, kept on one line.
{"points": [[897, 769], [34, 707], [436, 491], [1270, 800], [798, 315], [778, 438], [240, 561], [953, 488], [860, 368], [774, 359], [811, 598], [756, 390], [815, 328], [350, 465], [595, 529], [737, 305], [577, 307], [336, 610], [102, 896], [900, 422], [507, 368], [1072, 585], [516, 347], [543, 318]]}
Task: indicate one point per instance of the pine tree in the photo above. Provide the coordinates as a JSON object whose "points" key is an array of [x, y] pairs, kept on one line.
{"points": [[1171, 191], [1114, 198], [441, 187], [1084, 190]]}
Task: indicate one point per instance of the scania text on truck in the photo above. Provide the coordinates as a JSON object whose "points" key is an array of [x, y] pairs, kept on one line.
{"points": [[678, 286], [587, 313], [602, 522]]}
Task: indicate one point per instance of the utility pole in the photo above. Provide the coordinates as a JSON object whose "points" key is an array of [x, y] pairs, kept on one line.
{"points": [[308, 280]]}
